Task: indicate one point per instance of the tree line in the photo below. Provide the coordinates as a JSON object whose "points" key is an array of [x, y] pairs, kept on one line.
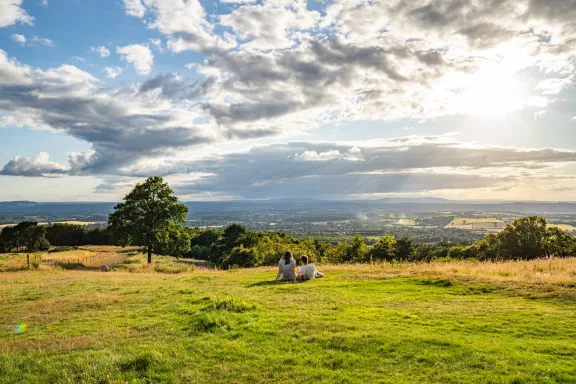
{"points": [[152, 217]]}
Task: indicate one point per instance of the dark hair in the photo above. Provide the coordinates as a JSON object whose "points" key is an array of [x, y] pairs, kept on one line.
{"points": [[304, 259], [287, 257]]}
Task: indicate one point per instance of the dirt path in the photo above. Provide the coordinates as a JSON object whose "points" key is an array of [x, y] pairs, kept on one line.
{"points": [[97, 267]]}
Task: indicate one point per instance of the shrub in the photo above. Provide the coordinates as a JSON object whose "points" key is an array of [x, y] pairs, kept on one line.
{"points": [[35, 263]]}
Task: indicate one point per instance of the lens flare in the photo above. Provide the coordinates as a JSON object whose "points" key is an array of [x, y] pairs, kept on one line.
{"points": [[19, 328]]}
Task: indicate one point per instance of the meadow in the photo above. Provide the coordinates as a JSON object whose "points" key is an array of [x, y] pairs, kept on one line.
{"points": [[70, 257], [458, 322], [477, 223]]}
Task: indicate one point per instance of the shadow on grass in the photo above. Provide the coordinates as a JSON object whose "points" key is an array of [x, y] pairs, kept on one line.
{"points": [[268, 282], [196, 263], [436, 282]]}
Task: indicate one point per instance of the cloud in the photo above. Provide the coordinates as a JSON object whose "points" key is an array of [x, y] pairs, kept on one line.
{"points": [[20, 39], [184, 23], [140, 56], [102, 51], [539, 114], [326, 80], [134, 8], [123, 125], [352, 154], [44, 3], [237, 1], [39, 165], [157, 44], [113, 72], [43, 41], [11, 12], [555, 85], [336, 170], [272, 24]]}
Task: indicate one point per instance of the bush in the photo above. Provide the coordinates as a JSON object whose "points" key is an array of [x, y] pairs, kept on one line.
{"points": [[35, 263]]}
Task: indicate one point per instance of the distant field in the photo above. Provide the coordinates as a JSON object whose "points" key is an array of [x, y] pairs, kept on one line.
{"points": [[459, 322], [476, 223], [406, 222], [60, 222], [564, 227]]}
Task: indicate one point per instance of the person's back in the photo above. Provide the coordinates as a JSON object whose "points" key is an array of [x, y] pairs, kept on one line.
{"points": [[287, 267], [308, 270]]}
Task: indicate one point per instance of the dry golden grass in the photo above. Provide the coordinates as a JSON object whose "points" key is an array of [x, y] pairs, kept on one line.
{"points": [[108, 248], [87, 255], [556, 271], [564, 227]]}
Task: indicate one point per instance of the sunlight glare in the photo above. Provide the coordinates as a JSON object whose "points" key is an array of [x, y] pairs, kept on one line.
{"points": [[491, 94]]}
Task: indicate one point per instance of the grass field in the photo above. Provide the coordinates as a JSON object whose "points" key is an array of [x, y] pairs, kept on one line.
{"points": [[458, 322], [406, 222], [85, 254], [477, 223]]}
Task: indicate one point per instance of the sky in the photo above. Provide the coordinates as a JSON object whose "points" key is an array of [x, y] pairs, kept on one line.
{"points": [[265, 99]]}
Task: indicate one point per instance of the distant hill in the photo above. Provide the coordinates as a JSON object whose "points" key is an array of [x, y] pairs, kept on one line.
{"points": [[408, 205]]}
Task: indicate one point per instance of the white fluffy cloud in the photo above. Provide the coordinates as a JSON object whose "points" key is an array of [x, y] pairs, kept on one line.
{"points": [[11, 12], [271, 25], [140, 56], [134, 8], [20, 39], [184, 23], [102, 51], [113, 72], [39, 165]]}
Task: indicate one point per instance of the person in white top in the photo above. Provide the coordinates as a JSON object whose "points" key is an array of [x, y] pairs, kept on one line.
{"points": [[308, 270], [287, 268]]}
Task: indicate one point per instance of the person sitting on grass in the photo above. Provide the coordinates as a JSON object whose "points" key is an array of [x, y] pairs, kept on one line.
{"points": [[287, 268], [308, 270]]}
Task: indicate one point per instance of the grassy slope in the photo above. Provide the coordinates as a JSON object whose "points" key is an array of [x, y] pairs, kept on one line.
{"points": [[388, 324]]}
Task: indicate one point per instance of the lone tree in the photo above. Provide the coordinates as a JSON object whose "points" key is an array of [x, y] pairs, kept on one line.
{"points": [[147, 214]]}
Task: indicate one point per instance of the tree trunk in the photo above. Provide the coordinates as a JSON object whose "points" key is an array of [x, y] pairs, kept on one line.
{"points": [[149, 254]]}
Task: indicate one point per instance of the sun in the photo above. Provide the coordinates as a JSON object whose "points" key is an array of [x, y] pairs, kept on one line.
{"points": [[491, 94]]}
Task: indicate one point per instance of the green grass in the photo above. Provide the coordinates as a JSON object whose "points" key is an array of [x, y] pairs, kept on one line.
{"points": [[360, 324]]}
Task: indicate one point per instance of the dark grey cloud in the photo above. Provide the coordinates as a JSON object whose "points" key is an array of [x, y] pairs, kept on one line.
{"points": [[177, 88]]}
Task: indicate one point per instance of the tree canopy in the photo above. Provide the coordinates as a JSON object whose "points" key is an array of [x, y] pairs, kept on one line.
{"points": [[150, 216]]}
